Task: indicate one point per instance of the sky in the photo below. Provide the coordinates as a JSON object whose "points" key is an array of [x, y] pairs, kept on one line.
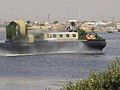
{"points": [[59, 9]]}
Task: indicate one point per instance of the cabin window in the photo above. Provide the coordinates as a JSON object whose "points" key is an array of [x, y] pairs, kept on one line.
{"points": [[74, 35], [38, 37], [54, 35], [61, 35], [47, 35], [50, 36], [67, 35], [17, 30]]}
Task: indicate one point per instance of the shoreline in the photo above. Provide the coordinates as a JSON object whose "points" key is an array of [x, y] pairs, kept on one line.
{"points": [[22, 83]]}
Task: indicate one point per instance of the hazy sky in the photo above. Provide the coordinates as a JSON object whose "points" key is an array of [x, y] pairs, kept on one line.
{"points": [[58, 9]]}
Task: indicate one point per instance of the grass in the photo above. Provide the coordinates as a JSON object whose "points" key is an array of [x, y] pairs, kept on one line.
{"points": [[99, 80]]}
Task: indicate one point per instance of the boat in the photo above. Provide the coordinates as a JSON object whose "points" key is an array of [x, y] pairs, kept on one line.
{"points": [[110, 31], [118, 30], [20, 40]]}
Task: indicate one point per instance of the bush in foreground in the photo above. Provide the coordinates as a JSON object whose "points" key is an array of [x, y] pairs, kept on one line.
{"points": [[106, 80]]}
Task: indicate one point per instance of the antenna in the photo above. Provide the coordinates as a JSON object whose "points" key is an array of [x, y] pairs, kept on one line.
{"points": [[68, 13], [79, 13]]}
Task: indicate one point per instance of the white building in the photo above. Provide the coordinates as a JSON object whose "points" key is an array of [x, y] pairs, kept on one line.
{"points": [[118, 25], [72, 20]]}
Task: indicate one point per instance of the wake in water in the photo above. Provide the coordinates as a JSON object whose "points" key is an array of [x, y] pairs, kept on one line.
{"points": [[9, 54]]}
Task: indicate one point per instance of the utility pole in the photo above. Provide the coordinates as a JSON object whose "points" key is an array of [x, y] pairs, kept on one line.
{"points": [[79, 14], [68, 13], [48, 17], [36, 17]]}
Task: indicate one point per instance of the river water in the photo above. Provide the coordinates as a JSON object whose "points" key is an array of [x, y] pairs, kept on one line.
{"points": [[51, 71]]}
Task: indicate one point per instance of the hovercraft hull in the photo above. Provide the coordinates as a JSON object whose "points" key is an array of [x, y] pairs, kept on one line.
{"points": [[52, 46], [96, 44]]}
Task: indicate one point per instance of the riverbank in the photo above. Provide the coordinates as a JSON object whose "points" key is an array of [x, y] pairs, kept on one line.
{"points": [[108, 79]]}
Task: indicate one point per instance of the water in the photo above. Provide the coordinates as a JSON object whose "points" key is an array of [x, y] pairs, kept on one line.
{"points": [[50, 71]]}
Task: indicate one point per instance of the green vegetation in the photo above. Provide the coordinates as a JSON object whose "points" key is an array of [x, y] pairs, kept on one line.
{"points": [[102, 80], [81, 34]]}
